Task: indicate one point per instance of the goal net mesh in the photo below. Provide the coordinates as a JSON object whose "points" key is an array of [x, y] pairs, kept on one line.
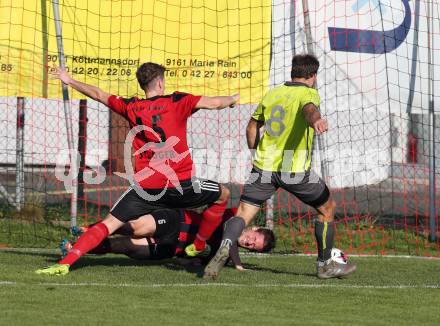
{"points": [[374, 83]]}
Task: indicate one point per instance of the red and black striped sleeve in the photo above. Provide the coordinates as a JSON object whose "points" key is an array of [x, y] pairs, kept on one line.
{"points": [[118, 104], [186, 104]]}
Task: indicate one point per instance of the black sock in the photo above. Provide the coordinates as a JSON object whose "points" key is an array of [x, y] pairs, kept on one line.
{"points": [[124, 245], [324, 233], [139, 252], [233, 229], [102, 249]]}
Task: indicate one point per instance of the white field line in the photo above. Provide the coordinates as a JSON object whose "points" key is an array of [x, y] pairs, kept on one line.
{"points": [[196, 285], [261, 255], [7, 283], [31, 250], [246, 254]]}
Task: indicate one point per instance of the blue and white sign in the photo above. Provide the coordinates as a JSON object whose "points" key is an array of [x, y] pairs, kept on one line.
{"points": [[370, 41]]}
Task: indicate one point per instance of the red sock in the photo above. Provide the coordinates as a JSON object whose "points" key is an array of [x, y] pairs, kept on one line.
{"points": [[88, 241], [211, 219]]}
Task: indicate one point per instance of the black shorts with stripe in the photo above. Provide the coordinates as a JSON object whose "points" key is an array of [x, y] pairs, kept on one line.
{"points": [[195, 193], [307, 187], [166, 238]]}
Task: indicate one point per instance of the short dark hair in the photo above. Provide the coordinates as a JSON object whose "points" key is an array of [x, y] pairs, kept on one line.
{"points": [[304, 66], [269, 239], [148, 72]]}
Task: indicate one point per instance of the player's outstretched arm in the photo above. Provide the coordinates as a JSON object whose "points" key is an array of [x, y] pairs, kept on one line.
{"points": [[91, 91], [217, 102], [253, 133], [313, 118], [235, 257]]}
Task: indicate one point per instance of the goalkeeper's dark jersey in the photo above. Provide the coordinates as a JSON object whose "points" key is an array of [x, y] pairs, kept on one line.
{"points": [[190, 226]]}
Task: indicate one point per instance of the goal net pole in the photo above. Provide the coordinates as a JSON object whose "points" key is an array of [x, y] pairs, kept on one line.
{"points": [[68, 117], [311, 50], [432, 190], [321, 140]]}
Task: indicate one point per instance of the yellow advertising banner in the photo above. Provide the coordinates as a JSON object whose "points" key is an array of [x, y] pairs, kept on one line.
{"points": [[208, 47]]}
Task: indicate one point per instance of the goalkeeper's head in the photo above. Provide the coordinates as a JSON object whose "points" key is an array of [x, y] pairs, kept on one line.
{"points": [[257, 239], [151, 78]]}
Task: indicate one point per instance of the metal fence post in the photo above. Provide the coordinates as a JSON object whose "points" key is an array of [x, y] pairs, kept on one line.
{"points": [[68, 117], [19, 155], [82, 148], [269, 212]]}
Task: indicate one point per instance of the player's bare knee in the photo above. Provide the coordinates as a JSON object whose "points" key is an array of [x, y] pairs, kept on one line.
{"points": [[134, 227], [247, 212], [226, 193], [327, 211], [144, 226], [137, 232], [112, 223]]}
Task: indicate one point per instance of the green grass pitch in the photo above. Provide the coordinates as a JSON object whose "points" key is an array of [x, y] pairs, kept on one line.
{"points": [[276, 290]]}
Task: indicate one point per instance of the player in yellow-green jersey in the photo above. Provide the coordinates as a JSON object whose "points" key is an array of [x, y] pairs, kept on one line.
{"points": [[290, 116], [287, 132]]}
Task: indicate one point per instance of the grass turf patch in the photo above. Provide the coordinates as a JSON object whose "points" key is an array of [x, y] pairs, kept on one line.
{"points": [[276, 290]]}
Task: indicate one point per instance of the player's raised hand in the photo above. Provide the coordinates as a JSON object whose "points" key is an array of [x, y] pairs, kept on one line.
{"points": [[235, 98], [61, 74], [320, 126]]}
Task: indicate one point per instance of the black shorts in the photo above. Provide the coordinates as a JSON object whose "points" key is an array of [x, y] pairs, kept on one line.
{"points": [[168, 222], [196, 193], [307, 187]]}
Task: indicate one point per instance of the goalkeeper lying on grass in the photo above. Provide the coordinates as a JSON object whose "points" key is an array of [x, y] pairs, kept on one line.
{"points": [[165, 233]]}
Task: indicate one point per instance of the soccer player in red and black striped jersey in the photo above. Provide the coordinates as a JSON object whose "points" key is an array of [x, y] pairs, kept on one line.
{"points": [[165, 233], [163, 166]]}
